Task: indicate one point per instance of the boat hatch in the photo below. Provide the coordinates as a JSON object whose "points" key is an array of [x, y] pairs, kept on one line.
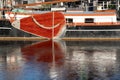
{"points": [[89, 20], [69, 20]]}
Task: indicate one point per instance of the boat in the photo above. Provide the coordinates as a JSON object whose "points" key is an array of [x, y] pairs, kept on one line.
{"points": [[74, 19], [47, 25], [78, 18], [50, 24]]}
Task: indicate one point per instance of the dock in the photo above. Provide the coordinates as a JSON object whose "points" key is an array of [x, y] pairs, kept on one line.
{"points": [[64, 38], [90, 39], [22, 39]]}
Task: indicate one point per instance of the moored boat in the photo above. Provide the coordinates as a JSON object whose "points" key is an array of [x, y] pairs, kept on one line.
{"points": [[82, 19], [75, 19], [48, 25]]}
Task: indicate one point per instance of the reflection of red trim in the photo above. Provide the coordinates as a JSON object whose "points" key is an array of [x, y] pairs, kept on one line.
{"points": [[46, 19], [42, 52]]}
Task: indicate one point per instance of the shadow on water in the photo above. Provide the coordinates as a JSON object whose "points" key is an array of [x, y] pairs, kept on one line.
{"points": [[70, 61]]}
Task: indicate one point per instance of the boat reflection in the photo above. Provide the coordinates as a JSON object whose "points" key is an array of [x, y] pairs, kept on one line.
{"points": [[43, 60], [43, 52]]}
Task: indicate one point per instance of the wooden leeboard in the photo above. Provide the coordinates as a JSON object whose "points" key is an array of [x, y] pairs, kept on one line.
{"points": [[42, 24]]}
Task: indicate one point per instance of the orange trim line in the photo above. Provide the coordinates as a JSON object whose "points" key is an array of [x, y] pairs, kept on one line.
{"points": [[98, 14], [94, 24], [105, 11], [18, 13]]}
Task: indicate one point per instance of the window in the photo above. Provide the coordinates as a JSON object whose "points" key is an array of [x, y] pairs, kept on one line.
{"points": [[25, 2], [89, 20], [69, 20]]}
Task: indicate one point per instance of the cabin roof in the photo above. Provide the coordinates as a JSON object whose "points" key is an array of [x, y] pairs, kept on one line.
{"points": [[90, 13]]}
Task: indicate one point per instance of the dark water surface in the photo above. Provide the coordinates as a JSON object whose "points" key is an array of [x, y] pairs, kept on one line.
{"points": [[73, 60]]}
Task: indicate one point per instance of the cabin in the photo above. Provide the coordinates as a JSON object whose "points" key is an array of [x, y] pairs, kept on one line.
{"points": [[104, 17]]}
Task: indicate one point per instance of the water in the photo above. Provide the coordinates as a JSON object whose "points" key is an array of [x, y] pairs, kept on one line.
{"points": [[71, 60]]}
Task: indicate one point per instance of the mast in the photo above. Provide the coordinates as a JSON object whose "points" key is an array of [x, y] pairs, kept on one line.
{"points": [[52, 26], [118, 4]]}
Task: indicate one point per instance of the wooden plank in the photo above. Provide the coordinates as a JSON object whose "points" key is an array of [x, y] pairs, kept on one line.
{"points": [[64, 38], [22, 38], [90, 39]]}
